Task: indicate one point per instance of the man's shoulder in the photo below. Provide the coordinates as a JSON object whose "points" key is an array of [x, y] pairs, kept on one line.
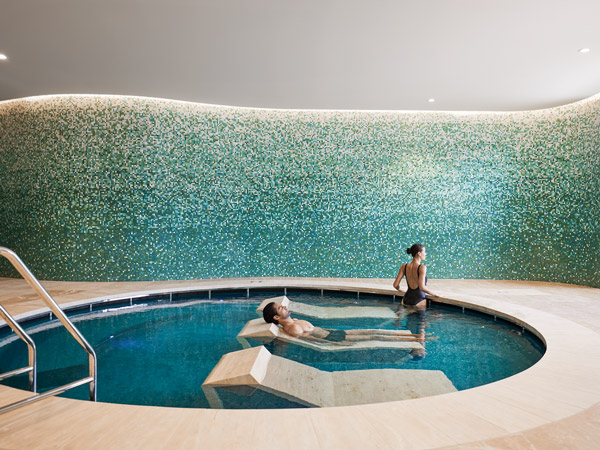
{"points": [[293, 329]]}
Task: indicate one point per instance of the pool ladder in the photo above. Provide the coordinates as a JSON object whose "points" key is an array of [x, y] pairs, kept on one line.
{"points": [[32, 367]]}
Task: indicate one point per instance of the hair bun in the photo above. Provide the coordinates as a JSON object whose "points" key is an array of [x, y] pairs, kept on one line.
{"points": [[408, 251]]}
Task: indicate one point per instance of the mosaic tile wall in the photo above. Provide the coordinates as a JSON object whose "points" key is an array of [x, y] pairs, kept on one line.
{"points": [[121, 188]]}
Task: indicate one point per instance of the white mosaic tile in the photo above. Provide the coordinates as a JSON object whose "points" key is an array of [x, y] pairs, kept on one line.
{"points": [[125, 188]]}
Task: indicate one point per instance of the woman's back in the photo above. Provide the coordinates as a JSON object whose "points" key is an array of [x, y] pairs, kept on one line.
{"points": [[411, 272], [416, 277]]}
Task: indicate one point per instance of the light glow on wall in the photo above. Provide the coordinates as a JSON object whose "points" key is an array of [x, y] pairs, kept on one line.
{"points": [[125, 188]]}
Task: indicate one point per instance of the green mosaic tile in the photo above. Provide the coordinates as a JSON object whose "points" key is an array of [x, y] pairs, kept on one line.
{"points": [[123, 188]]}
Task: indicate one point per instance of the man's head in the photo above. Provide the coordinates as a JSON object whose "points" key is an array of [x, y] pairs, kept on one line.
{"points": [[273, 312]]}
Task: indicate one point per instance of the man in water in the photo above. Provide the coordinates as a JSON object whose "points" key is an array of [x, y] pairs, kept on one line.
{"points": [[280, 315]]}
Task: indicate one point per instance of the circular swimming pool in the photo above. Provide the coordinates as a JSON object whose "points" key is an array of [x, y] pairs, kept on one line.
{"points": [[159, 350]]}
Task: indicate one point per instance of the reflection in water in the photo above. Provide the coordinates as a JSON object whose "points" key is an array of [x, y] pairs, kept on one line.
{"points": [[184, 342], [415, 320]]}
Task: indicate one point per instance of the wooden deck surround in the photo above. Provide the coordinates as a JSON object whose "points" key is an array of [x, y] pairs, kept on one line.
{"points": [[555, 404]]}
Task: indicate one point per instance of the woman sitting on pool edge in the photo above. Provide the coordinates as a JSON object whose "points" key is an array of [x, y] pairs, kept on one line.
{"points": [[416, 275], [280, 315]]}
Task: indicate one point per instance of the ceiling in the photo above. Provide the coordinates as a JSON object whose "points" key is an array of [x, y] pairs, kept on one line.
{"points": [[469, 55]]}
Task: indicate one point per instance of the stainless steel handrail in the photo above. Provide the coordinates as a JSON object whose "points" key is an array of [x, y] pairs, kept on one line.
{"points": [[43, 395], [32, 368], [60, 315]]}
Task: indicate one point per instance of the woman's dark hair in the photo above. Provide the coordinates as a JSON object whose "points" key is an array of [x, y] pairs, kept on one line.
{"points": [[269, 312], [416, 248]]}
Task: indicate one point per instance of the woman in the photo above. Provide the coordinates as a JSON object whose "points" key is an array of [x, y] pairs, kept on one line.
{"points": [[416, 278]]}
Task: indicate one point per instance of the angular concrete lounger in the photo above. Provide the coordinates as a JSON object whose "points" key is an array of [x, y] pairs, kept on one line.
{"points": [[263, 332], [329, 312], [245, 371]]}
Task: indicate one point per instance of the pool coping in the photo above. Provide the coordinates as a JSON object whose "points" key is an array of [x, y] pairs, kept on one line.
{"points": [[559, 388]]}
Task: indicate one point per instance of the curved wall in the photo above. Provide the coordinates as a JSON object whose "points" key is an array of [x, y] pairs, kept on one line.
{"points": [[123, 188]]}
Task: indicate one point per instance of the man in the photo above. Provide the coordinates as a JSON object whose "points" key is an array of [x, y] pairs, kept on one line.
{"points": [[280, 315]]}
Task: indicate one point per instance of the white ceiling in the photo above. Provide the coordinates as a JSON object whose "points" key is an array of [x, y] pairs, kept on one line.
{"points": [[480, 55]]}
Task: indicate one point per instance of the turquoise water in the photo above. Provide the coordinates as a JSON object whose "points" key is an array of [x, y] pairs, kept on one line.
{"points": [[159, 353]]}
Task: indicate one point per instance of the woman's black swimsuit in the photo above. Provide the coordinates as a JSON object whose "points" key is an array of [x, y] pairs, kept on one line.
{"points": [[413, 296]]}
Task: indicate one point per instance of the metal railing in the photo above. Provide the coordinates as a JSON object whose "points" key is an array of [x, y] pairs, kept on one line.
{"points": [[32, 367], [60, 315]]}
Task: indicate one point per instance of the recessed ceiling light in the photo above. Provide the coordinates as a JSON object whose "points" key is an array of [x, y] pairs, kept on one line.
{"points": [[431, 100], [2, 56], [584, 50]]}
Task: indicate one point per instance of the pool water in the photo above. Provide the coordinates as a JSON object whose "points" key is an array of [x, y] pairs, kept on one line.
{"points": [[159, 353]]}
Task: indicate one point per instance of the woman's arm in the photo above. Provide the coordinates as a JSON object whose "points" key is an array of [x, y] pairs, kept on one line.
{"points": [[399, 277], [422, 275]]}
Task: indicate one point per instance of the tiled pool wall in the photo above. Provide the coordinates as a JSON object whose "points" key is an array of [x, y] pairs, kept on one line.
{"points": [[124, 188]]}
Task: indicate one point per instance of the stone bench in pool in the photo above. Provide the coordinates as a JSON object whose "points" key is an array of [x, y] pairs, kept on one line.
{"points": [[245, 371], [330, 312], [263, 332]]}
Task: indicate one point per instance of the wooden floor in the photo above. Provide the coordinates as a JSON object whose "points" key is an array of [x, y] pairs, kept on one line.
{"points": [[553, 405]]}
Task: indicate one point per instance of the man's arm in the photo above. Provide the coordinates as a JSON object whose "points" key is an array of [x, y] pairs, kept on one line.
{"points": [[325, 341], [310, 337]]}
